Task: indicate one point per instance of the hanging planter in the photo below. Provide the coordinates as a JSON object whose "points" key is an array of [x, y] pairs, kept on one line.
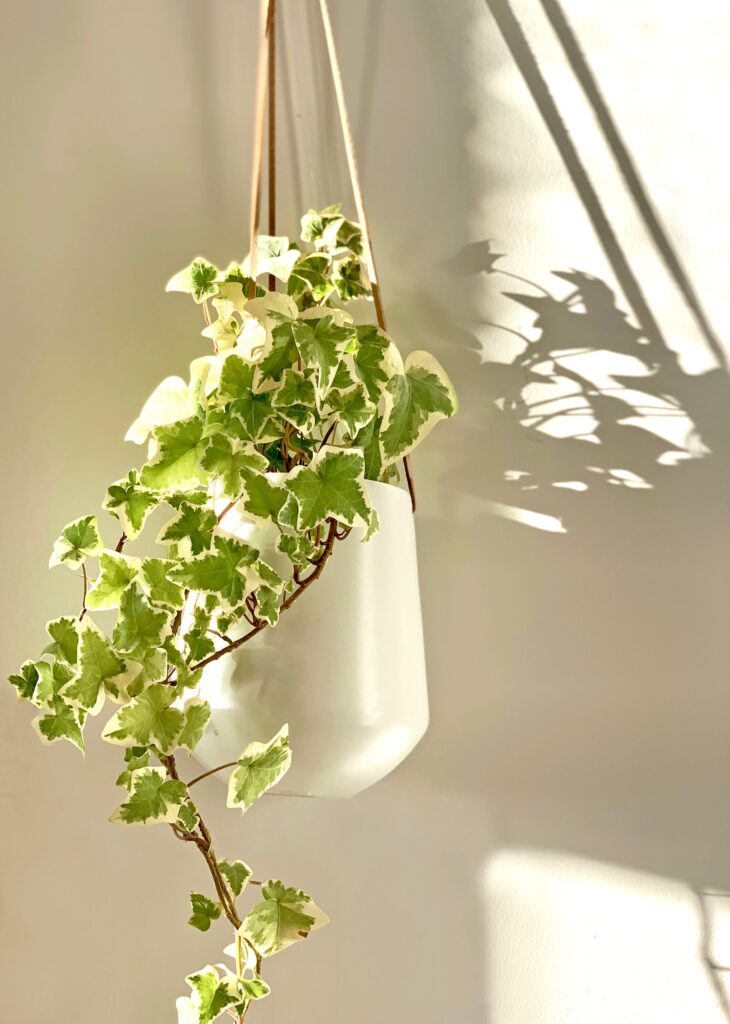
{"points": [[279, 461], [358, 705]]}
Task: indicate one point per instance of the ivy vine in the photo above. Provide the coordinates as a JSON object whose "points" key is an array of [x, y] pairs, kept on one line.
{"points": [[280, 426]]}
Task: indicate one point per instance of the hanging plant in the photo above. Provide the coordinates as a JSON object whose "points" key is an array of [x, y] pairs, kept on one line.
{"points": [[294, 409]]}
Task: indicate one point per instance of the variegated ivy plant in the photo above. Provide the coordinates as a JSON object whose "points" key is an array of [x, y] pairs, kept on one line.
{"points": [[295, 408]]}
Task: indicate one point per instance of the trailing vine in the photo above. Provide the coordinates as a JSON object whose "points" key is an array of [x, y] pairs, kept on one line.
{"points": [[276, 430]]}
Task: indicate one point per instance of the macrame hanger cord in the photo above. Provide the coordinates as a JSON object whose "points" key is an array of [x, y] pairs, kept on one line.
{"points": [[262, 73], [352, 165], [266, 74]]}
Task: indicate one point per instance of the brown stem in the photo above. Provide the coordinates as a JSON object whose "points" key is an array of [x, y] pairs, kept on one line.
{"points": [[84, 609], [327, 436], [313, 576], [212, 771], [120, 543]]}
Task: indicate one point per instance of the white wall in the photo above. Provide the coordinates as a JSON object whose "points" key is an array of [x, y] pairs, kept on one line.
{"points": [[533, 861]]}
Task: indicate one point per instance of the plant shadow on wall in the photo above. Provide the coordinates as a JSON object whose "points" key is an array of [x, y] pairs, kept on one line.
{"points": [[591, 475]]}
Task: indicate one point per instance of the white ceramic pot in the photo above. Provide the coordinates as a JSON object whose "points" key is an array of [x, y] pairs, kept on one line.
{"points": [[344, 667]]}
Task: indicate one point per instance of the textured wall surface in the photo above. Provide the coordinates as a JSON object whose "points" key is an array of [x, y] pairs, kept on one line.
{"points": [[535, 860]]}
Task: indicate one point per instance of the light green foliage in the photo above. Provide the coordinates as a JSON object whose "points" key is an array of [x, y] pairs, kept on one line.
{"points": [[259, 767], [266, 444], [78, 541], [116, 573], [284, 916], [331, 487], [204, 912], [153, 798], [236, 873], [131, 503]]}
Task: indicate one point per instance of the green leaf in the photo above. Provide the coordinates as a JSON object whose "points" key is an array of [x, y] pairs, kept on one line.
{"points": [[197, 716], [350, 279], [198, 280], [259, 767], [281, 354], [229, 460], [130, 503], [415, 401], [134, 758], [188, 818], [185, 678], [262, 498], [64, 634], [161, 590], [177, 464], [193, 525], [273, 256], [199, 642], [117, 572], [353, 408], [51, 680], [321, 344], [310, 276], [152, 798], [222, 572], [284, 916], [147, 666], [368, 439], [374, 359], [98, 665], [204, 911], [296, 389], [236, 873], [63, 722], [26, 680], [267, 605], [139, 626], [236, 378], [254, 988], [78, 541], [330, 487], [209, 999], [255, 418], [320, 227], [299, 550], [148, 719]]}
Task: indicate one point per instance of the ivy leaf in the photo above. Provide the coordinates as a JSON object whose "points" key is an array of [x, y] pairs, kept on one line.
{"points": [[185, 678], [320, 344], [64, 636], [209, 999], [254, 988], [79, 540], [352, 407], [62, 722], [229, 462], [158, 586], [350, 279], [98, 665], [192, 524], [197, 716], [373, 363], [134, 758], [148, 719], [117, 572], [259, 767], [204, 911], [198, 280], [284, 916], [188, 818], [236, 378], [148, 666], [236, 873], [415, 401], [320, 227], [199, 642], [262, 498], [281, 354], [330, 487], [273, 256], [299, 550], [222, 572], [310, 275], [267, 605], [26, 680], [368, 440], [152, 798], [177, 462], [130, 503], [51, 680], [139, 626]]}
